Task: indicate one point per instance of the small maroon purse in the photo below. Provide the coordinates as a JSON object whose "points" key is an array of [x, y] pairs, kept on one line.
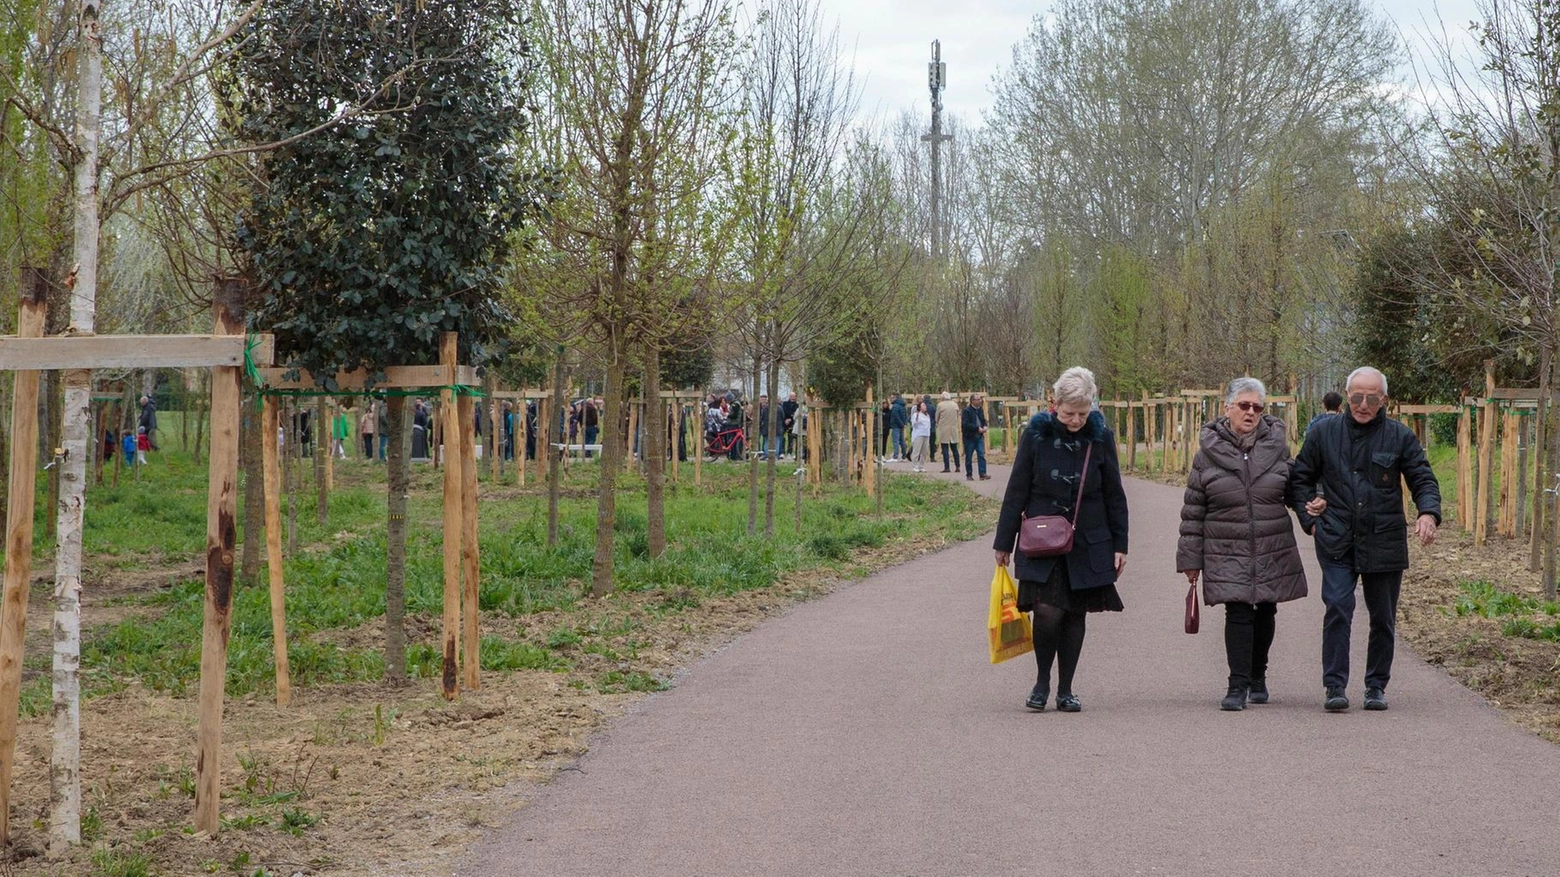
{"points": [[1052, 535]]}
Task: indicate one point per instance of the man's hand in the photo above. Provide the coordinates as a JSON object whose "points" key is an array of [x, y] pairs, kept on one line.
{"points": [[1425, 528], [1121, 562], [1316, 506], [1191, 575], [1002, 558]]}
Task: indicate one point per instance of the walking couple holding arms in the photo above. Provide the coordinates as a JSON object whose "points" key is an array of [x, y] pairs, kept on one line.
{"points": [[1236, 537]]}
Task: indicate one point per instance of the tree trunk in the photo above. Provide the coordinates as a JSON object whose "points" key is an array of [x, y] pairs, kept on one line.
{"points": [[550, 433], [324, 437], [251, 447], [53, 437], [1553, 536], [654, 453], [294, 474], [611, 462], [187, 407], [747, 450], [65, 762], [201, 404], [1540, 462], [771, 459], [395, 540]]}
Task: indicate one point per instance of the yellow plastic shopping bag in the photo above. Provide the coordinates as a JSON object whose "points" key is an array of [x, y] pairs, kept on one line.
{"points": [[1010, 632]]}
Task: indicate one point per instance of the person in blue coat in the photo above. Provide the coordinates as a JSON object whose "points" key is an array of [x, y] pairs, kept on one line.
{"points": [[1062, 590]]}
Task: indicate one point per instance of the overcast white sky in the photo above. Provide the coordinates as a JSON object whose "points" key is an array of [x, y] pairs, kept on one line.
{"points": [[892, 42]]}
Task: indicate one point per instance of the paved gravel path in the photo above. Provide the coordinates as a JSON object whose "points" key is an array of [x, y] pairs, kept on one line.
{"points": [[866, 734]]}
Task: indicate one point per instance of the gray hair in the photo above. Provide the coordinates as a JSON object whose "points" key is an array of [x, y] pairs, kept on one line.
{"points": [[1076, 385], [1244, 385], [1367, 370]]}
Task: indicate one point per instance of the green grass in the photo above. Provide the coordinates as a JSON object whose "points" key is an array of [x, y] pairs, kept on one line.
{"points": [[117, 863], [336, 578], [1525, 617]]}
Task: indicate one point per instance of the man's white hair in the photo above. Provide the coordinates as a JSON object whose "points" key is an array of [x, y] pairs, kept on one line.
{"points": [[1244, 385], [1075, 385], [1362, 371]]}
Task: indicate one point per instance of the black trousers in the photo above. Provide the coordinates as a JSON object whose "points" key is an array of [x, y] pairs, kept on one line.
{"points": [[951, 454], [1248, 637], [1381, 591]]}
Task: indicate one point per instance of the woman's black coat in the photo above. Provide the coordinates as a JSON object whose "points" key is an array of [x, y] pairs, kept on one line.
{"points": [[1044, 482]]}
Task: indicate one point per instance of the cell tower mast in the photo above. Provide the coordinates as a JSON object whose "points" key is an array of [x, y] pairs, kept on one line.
{"points": [[937, 80]]}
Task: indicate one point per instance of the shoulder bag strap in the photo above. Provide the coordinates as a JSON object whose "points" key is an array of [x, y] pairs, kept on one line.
{"points": [[1082, 476]]}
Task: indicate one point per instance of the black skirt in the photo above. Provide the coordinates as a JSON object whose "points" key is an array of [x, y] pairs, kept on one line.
{"points": [[1057, 591]]}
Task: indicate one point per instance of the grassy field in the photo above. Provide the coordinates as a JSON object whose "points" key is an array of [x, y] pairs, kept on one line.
{"points": [[335, 580]]}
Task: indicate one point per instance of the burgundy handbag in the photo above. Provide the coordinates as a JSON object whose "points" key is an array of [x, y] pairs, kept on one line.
{"points": [[1052, 535], [1193, 611]]}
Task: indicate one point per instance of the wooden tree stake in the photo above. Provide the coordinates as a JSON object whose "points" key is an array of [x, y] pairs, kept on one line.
{"points": [[1481, 514], [20, 500], [466, 438], [1465, 470], [453, 515], [221, 539]]}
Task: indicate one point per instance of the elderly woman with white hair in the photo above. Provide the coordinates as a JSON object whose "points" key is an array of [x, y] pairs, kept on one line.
{"points": [[1061, 451], [1237, 536]]}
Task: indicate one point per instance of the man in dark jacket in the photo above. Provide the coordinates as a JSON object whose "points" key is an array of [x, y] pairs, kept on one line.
{"points": [[148, 421], [1359, 460], [898, 419], [973, 425], [788, 426]]}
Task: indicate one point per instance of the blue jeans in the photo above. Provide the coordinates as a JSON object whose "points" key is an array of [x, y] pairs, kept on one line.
{"points": [[900, 450], [384, 445], [590, 438], [975, 447], [1381, 591]]}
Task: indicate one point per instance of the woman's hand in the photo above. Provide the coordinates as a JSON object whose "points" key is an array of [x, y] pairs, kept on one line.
{"points": [[1192, 574], [1121, 561], [1315, 507], [1002, 558]]}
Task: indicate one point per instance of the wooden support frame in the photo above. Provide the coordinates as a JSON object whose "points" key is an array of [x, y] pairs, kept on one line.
{"points": [[221, 541], [454, 503], [21, 499], [1481, 514], [395, 377], [93, 352]]}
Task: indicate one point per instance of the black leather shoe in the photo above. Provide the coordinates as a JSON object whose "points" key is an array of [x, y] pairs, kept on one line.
{"points": [[1336, 702], [1068, 703], [1375, 699], [1037, 698], [1258, 692], [1235, 699]]}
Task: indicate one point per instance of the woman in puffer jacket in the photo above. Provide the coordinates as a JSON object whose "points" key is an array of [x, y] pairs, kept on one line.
{"points": [[1237, 535]]}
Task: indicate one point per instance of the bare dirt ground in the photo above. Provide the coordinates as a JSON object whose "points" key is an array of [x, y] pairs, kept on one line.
{"points": [[361, 779], [1520, 676]]}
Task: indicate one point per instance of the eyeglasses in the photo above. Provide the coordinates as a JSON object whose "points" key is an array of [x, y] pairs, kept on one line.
{"points": [[1360, 400], [1258, 407]]}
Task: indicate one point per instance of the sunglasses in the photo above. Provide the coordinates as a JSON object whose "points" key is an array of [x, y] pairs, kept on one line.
{"points": [[1258, 407], [1360, 400]]}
